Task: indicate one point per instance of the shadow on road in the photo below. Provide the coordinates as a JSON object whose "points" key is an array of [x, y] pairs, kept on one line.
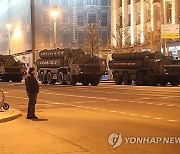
{"points": [[40, 119]]}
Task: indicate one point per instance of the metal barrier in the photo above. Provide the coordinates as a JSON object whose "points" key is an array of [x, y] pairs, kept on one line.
{"points": [[3, 104]]}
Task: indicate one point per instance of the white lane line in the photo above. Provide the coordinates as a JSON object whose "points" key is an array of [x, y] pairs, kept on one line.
{"points": [[124, 113], [149, 103], [171, 105], [172, 120], [158, 118], [133, 114], [113, 111], [145, 116], [159, 104]]}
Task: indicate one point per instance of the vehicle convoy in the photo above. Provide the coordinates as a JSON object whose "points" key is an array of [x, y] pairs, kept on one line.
{"points": [[11, 69], [145, 68], [69, 66]]}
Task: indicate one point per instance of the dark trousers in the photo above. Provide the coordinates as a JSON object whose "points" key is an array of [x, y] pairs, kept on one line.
{"points": [[31, 104]]}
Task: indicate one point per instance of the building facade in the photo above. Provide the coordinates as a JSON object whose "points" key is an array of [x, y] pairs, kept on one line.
{"points": [[142, 21], [33, 25]]}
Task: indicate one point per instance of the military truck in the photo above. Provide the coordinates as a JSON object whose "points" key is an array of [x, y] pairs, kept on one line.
{"points": [[69, 66], [11, 69], [145, 68]]}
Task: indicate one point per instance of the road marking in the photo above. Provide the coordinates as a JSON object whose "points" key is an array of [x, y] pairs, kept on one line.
{"points": [[158, 118], [145, 116], [124, 113], [172, 120], [133, 114]]}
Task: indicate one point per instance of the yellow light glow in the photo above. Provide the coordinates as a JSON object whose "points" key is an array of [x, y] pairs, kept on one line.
{"points": [[54, 12], [9, 26], [17, 32]]}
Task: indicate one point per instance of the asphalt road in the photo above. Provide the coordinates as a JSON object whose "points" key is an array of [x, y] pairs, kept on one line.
{"points": [[80, 119]]}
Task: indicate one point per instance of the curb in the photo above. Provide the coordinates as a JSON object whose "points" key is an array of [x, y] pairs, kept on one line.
{"points": [[9, 115]]}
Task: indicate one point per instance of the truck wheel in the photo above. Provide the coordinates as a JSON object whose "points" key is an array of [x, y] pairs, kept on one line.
{"points": [[61, 78], [174, 81], [152, 81], [117, 78], [16, 78], [50, 79], [126, 79], [140, 78], [43, 78], [85, 83], [95, 82], [71, 79]]}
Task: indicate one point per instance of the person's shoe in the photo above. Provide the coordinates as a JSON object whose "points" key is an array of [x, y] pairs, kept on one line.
{"points": [[34, 117], [29, 118]]}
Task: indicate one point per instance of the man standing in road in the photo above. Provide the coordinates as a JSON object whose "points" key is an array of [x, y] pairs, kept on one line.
{"points": [[32, 89]]}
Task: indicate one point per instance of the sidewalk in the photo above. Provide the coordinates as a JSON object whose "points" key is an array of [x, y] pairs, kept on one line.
{"points": [[9, 115]]}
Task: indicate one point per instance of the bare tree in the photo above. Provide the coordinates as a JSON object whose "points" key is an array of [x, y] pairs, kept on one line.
{"points": [[123, 36], [92, 41]]}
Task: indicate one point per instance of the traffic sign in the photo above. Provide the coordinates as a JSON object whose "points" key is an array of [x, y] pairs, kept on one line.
{"points": [[170, 31]]}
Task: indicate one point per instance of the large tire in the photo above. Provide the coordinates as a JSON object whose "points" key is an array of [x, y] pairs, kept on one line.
{"points": [[140, 79], [174, 81], [95, 81], [43, 78], [16, 78], [85, 83], [61, 79], [50, 79], [126, 79], [71, 79], [151, 79], [117, 78]]}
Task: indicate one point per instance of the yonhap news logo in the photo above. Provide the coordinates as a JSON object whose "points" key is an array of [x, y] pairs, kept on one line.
{"points": [[116, 139]]}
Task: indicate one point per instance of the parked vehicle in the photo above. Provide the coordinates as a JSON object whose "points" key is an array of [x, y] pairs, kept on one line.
{"points": [[69, 66], [11, 69], [145, 68]]}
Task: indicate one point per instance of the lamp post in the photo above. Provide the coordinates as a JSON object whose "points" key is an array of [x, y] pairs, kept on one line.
{"points": [[9, 26], [54, 13]]}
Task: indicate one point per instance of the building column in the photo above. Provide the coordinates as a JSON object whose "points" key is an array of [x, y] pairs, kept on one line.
{"points": [[175, 11], [133, 22], [114, 8], [142, 22]]}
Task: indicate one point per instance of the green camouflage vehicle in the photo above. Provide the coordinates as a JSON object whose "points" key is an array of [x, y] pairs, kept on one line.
{"points": [[145, 68], [69, 66], [11, 69]]}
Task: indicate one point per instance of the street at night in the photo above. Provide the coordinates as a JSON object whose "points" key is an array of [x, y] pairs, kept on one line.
{"points": [[80, 119]]}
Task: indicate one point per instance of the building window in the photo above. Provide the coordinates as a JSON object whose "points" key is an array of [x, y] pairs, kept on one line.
{"points": [[120, 3], [64, 2], [91, 18], [104, 37], [129, 2], [65, 38], [104, 2], [79, 2], [88, 2], [45, 2], [80, 37], [94, 2], [65, 17], [104, 19], [129, 24], [46, 17], [46, 37], [80, 19]]}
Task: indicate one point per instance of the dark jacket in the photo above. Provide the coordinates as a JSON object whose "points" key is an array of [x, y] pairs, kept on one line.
{"points": [[31, 83]]}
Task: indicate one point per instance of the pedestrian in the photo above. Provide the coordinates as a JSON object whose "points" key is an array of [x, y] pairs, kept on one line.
{"points": [[32, 90]]}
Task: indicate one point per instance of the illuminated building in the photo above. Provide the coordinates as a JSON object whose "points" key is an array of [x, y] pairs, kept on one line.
{"points": [[32, 23], [138, 17]]}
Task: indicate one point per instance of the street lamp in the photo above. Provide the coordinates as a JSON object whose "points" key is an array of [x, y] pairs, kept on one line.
{"points": [[9, 26], [54, 13]]}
